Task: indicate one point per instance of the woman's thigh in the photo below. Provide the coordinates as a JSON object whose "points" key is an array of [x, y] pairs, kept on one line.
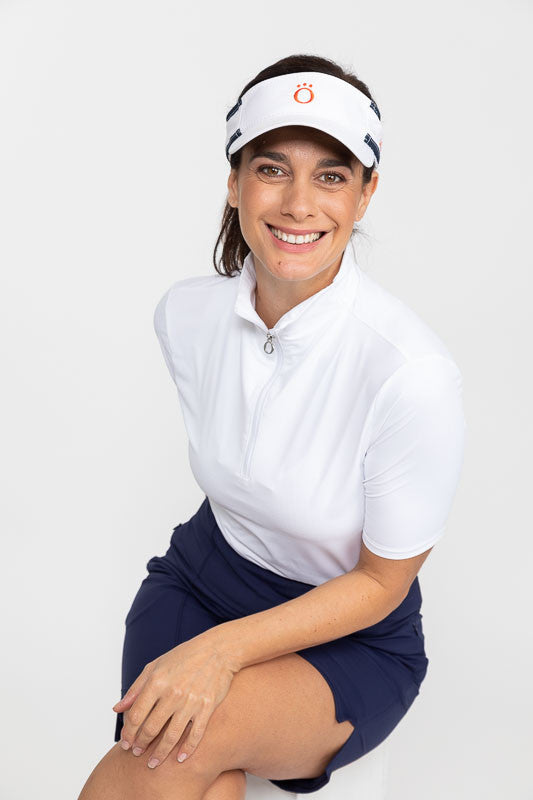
{"points": [[364, 684], [278, 719]]}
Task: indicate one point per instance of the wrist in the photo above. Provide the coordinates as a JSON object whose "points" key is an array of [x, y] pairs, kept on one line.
{"points": [[222, 640]]}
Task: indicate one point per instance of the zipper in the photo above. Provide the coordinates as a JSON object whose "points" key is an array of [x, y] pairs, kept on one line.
{"points": [[268, 347], [268, 344]]}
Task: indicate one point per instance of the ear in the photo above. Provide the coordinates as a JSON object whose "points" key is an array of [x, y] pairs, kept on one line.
{"points": [[367, 193], [233, 194]]}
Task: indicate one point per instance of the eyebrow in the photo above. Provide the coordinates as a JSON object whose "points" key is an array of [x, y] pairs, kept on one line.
{"points": [[324, 162]]}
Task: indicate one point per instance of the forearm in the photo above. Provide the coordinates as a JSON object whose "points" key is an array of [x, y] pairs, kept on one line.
{"points": [[336, 608]]}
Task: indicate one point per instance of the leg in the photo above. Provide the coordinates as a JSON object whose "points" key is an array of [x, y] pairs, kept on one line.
{"points": [[277, 721], [108, 783], [229, 785]]}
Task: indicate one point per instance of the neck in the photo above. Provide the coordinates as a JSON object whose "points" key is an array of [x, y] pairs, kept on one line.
{"points": [[274, 297]]}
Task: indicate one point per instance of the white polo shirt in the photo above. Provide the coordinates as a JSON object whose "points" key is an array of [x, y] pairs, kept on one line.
{"points": [[351, 429]]}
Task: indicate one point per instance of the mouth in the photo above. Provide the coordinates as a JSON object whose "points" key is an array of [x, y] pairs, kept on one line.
{"points": [[295, 242]]}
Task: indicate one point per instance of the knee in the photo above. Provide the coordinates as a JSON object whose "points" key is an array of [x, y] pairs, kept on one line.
{"points": [[138, 781], [230, 784]]}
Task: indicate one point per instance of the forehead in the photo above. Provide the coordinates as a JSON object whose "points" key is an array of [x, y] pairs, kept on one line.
{"points": [[291, 137]]}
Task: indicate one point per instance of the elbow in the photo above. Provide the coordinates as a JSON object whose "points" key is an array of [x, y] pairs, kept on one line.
{"points": [[395, 590]]}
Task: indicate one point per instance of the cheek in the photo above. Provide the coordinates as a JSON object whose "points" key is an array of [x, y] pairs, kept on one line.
{"points": [[265, 197], [341, 207], [258, 202]]}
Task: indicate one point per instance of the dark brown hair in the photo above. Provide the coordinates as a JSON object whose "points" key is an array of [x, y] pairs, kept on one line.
{"points": [[234, 246]]}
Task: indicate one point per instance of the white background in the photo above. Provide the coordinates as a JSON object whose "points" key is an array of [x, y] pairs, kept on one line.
{"points": [[112, 184]]}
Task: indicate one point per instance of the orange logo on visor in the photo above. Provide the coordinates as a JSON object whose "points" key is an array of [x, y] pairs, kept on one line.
{"points": [[306, 93]]}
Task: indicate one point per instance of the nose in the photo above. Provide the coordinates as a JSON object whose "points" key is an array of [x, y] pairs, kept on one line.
{"points": [[299, 199]]}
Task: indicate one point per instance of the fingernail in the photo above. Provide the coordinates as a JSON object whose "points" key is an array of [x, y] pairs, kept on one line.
{"points": [[124, 744], [137, 751], [182, 757], [153, 762]]}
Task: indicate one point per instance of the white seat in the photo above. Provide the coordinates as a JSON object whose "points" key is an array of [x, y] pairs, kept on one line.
{"points": [[364, 779]]}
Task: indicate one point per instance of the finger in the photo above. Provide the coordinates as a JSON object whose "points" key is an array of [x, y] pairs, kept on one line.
{"points": [[125, 703], [129, 697], [137, 714], [133, 691], [175, 734], [196, 732], [153, 725]]}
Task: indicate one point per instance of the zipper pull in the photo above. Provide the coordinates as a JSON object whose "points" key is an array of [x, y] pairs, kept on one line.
{"points": [[268, 343]]}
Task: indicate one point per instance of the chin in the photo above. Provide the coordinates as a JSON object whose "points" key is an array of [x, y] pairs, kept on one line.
{"points": [[289, 268]]}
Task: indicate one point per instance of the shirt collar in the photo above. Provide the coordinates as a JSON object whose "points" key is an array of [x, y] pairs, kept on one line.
{"points": [[311, 314]]}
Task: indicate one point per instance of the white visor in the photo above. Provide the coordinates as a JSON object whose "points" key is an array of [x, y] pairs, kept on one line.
{"points": [[314, 99]]}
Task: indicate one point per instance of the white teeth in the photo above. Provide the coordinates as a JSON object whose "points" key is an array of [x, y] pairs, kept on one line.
{"points": [[294, 239]]}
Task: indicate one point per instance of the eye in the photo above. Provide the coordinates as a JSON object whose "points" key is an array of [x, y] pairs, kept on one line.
{"points": [[262, 169], [335, 175], [269, 166]]}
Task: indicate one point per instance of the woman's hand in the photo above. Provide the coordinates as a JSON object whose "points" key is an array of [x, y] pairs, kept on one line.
{"points": [[185, 684]]}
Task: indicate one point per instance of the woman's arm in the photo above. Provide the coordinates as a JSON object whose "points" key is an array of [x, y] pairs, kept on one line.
{"points": [[203, 667], [342, 605]]}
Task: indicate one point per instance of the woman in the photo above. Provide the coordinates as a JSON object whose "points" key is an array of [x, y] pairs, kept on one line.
{"points": [[281, 632]]}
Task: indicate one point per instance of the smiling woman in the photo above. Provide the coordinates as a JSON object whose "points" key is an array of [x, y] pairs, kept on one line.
{"points": [[289, 202], [281, 634], [345, 163]]}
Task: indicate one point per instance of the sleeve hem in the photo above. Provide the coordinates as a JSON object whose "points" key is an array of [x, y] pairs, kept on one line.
{"points": [[390, 552]]}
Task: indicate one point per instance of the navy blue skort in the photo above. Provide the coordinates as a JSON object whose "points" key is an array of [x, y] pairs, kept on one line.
{"points": [[201, 581]]}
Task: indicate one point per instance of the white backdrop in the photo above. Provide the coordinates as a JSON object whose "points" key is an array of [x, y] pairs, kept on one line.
{"points": [[113, 180]]}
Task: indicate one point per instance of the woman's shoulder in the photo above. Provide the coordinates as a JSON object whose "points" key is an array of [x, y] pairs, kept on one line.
{"points": [[393, 325], [188, 299], [198, 287]]}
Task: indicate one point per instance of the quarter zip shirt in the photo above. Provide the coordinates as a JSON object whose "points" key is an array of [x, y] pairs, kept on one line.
{"points": [[343, 423]]}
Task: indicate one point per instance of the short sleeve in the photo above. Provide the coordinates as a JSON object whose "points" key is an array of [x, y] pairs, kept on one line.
{"points": [[414, 459], [161, 329]]}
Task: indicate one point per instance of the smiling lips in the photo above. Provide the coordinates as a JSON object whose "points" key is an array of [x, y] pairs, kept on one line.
{"points": [[293, 240]]}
